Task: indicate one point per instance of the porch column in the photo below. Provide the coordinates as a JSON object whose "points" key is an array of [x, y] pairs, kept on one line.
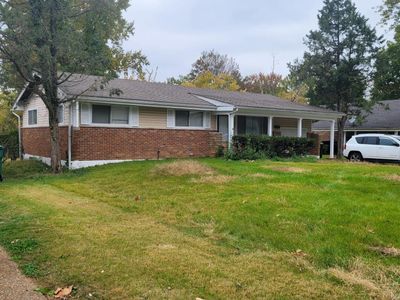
{"points": [[299, 128], [231, 129], [332, 140], [396, 133], [270, 125]]}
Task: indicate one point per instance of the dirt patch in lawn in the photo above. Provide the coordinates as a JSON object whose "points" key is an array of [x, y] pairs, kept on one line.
{"points": [[288, 169], [353, 279], [386, 251], [393, 177], [215, 179], [372, 277], [182, 168]]}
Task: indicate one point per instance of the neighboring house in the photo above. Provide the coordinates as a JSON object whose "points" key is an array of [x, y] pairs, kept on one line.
{"points": [[135, 120], [384, 118]]}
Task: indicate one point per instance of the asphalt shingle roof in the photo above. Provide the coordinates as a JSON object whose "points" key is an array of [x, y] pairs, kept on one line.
{"points": [[177, 95], [385, 115]]}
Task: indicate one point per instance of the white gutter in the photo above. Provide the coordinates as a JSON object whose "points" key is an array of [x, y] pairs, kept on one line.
{"points": [[19, 134]]}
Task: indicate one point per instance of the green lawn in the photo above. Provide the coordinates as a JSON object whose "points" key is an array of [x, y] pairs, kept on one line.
{"points": [[228, 230]]}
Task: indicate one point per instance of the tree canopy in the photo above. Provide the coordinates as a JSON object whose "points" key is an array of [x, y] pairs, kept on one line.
{"points": [[387, 65], [209, 80], [216, 63]]}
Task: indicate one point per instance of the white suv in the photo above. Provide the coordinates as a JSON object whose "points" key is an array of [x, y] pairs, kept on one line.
{"points": [[373, 146]]}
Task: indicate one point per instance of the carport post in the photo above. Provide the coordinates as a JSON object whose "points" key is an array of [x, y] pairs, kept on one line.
{"points": [[332, 140], [270, 126], [231, 129], [299, 127]]}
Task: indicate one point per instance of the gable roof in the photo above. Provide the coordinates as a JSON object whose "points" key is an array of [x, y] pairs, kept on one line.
{"points": [[172, 95], [385, 115]]}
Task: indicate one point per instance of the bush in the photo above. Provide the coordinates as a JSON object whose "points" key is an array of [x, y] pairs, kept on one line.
{"points": [[253, 147], [10, 143], [220, 151]]}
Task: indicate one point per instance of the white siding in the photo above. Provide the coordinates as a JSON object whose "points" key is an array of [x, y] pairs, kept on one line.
{"points": [[35, 102]]}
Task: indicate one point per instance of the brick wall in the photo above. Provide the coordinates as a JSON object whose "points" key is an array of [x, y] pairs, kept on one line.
{"points": [[36, 141], [94, 143]]}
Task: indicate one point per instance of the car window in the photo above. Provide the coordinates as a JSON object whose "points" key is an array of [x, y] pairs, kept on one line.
{"points": [[387, 142], [371, 140], [360, 140]]}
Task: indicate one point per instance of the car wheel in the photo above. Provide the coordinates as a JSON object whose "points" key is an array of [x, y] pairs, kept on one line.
{"points": [[355, 157]]}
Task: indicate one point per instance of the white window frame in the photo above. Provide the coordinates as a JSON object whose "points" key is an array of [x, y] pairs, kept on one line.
{"points": [[133, 117], [28, 121]]}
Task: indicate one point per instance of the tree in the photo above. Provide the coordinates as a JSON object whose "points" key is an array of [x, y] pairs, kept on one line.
{"points": [[215, 63], [387, 65], [211, 81], [294, 90], [387, 71], [43, 42], [263, 83], [8, 122], [337, 65]]}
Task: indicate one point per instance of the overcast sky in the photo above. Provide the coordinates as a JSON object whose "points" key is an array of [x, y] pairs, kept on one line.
{"points": [[173, 33]]}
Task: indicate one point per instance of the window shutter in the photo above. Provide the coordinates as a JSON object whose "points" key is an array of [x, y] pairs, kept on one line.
{"points": [[207, 120], [170, 118], [134, 116], [86, 117]]}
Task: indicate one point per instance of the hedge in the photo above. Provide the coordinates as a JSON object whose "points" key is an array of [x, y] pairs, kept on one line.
{"points": [[257, 147], [10, 142]]}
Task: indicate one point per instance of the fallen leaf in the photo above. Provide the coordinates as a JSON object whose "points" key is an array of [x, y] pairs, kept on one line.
{"points": [[62, 293]]}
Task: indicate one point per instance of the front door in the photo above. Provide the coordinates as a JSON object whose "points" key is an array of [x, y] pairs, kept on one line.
{"points": [[223, 127]]}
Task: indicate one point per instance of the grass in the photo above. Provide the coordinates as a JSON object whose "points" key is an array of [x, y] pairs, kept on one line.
{"points": [[207, 228]]}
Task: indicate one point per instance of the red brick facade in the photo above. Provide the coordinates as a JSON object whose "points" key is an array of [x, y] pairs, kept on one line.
{"points": [[96, 143], [36, 141]]}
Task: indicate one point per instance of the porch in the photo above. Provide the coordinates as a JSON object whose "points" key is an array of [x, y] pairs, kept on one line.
{"points": [[242, 123]]}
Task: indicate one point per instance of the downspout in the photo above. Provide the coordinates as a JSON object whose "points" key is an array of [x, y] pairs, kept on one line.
{"points": [[19, 134]]}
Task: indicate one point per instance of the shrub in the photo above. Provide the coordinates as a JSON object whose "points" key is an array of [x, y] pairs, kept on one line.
{"points": [[220, 151], [10, 142], [253, 147]]}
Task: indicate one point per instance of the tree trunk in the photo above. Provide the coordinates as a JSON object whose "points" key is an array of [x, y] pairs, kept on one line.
{"points": [[340, 139], [55, 145]]}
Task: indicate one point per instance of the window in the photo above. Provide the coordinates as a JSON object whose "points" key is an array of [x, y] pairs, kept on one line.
{"points": [[360, 140], [252, 125], [60, 114], [371, 140], [32, 117], [103, 114], [184, 118], [120, 115], [387, 142]]}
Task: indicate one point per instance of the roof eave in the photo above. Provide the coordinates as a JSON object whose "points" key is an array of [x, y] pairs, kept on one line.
{"points": [[317, 115], [133, 102]]}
